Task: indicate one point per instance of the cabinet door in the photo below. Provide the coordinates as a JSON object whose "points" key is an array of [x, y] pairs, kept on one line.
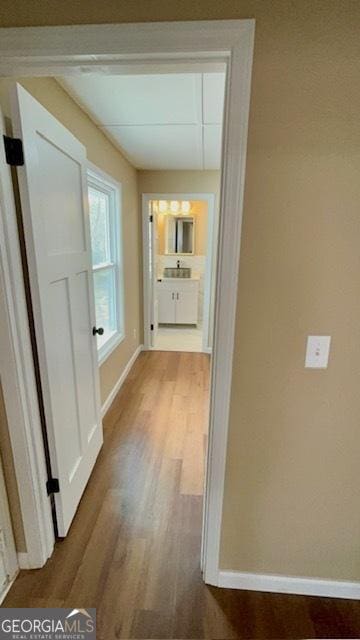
{"points": [[166, 309], [186, 306]]}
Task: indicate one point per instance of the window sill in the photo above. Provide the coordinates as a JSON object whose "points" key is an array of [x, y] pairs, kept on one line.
{"points": [[110, 345]]}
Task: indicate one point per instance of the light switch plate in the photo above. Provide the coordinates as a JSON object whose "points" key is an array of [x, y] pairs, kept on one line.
{"points": [[317, 352]]}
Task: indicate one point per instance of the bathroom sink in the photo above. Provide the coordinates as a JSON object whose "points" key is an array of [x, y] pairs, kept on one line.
{"points": [[177, 272]]}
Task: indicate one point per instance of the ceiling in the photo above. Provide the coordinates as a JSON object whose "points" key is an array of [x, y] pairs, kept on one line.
{"points": [[159, 121]]}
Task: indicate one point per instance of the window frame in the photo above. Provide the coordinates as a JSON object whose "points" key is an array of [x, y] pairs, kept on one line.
{"points": [[101, 181]]}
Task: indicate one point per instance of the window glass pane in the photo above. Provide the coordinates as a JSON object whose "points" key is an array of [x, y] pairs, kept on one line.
{"points": [[105, 303], [99, 226]]}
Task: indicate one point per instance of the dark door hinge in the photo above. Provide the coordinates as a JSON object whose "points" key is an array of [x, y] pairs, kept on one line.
{"points": [[151, 218], [14, 153], [52, 486], [152, 327]]}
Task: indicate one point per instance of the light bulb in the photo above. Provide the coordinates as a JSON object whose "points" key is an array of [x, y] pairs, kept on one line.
{"points": [[174, 206], [185, 206]]}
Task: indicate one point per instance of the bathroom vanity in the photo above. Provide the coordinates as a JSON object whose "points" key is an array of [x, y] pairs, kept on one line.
{"points": [[178, 300]]}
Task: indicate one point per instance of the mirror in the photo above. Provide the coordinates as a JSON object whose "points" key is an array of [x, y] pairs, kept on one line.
{"points": [[179, 235]]}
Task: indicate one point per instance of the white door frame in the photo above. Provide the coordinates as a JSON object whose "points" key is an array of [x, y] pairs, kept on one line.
{"points": [[121, 48], [8, 550], [209, 198]]}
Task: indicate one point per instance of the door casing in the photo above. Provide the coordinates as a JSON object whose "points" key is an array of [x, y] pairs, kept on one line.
{"points": [[131, 48]]}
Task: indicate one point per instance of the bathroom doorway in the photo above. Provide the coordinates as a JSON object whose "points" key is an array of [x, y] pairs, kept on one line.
{"points": [[179, 241]]}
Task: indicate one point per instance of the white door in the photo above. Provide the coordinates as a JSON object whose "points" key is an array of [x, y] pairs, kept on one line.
{"points": [[53, 191]]}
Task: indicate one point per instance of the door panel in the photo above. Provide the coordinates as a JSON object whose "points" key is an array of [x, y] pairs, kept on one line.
{"points": [[53, 191], [62, 376], [166, 303], [186, 307], [81, 284], [65, 233]]}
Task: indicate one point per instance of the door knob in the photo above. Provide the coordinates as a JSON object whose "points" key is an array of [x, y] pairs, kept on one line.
{"points": [[98, 331]]}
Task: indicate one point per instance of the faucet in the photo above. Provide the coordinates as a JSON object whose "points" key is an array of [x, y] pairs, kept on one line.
{"points": [[178, 264]]}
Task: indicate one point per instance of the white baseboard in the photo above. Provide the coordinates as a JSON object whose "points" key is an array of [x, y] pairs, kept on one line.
{"points": [[289, 584], [109, 400], [23, 560]]}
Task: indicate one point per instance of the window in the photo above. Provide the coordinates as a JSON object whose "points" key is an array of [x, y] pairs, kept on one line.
{"points": [[105, 231]]}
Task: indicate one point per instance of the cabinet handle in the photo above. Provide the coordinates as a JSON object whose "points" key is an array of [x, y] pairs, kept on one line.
{"points": [[177, 296], [173, 296]]}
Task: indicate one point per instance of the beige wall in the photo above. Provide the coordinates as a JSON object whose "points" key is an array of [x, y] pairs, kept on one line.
{"points": [[292, 494], [102, 153], [179, 182]]}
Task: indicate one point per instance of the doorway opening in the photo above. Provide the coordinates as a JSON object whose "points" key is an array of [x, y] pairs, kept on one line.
{"points": [[179, 258], [217, 43]]}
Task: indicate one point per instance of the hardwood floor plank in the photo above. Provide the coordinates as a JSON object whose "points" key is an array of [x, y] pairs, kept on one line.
{"points": [[192, 477], [133, 550]]}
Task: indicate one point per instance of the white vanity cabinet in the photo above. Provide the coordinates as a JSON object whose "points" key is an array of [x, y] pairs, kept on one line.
{"points": [[178, 300]]}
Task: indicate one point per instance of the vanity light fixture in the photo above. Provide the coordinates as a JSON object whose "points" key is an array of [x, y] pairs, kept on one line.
{"points": [[173, 207]]}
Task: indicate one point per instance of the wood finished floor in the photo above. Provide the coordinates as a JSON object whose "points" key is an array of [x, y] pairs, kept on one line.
{"points": [[133, 549]]}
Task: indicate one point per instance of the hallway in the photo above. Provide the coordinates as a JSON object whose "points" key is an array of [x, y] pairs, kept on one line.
{"points": [[133, 550]]}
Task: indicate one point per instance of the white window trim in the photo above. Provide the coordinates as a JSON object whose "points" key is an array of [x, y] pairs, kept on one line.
{"points": [[104, 182]]}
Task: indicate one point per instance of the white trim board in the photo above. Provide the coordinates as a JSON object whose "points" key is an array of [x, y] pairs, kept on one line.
{"points": [[23, 560], [7, 588], [234, 145], [7, 541], [123, 48], [56, 51], [210, 271], [116, 388], [289, 584], [99, 178]]}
